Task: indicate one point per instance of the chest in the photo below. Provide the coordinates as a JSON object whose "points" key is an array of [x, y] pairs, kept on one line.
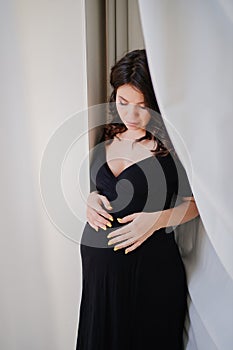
{"points": [[122, 155]]}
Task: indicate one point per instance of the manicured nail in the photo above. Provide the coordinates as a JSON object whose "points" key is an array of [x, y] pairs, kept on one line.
{"points": [[109, 224], [96, 229], [119, 220], [109, 243], [109, 207], [104, 228], [126, 251], [115, 248], [111, 218]]}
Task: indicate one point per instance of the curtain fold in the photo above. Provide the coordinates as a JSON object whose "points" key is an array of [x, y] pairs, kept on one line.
{"points": [[123, 30], [190, 54]]}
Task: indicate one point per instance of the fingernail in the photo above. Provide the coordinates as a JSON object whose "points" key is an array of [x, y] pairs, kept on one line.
{"points": [[119, 220], [111, 218], [96, 229], [109, 207], [115, 248], [104, 228], [109, 224], [126, 251], [109, 243]]}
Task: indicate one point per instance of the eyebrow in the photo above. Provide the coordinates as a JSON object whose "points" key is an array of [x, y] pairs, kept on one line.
{"points": [[138, 103]]}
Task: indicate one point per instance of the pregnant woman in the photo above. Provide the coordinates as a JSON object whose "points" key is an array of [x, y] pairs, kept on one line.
{"points": [[134, 292]]}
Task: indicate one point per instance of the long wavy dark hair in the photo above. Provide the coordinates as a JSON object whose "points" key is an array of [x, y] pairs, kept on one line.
{"points": [[133, 69]]}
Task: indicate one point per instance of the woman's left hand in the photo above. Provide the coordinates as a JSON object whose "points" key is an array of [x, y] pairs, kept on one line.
{"points": [[141, 227]]}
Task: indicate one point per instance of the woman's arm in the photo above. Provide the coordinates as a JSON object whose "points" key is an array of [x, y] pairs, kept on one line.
{"points": [[180, 214], [143, 224]]}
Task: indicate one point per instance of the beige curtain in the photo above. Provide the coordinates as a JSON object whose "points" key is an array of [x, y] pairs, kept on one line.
{"points": [[123, 30]]}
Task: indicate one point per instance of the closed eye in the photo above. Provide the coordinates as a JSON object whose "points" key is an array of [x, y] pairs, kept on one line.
{"points": [[125, 104], [122, 104]]}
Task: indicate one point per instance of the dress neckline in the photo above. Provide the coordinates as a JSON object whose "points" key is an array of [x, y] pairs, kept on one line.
{"points": [[125, 169]]}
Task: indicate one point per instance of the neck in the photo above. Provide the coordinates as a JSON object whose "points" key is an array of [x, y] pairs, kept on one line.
{"points": [[131, 134]]}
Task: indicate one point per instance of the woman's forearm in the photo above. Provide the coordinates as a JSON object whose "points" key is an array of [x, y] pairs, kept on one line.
{"points": [[180, 214]]}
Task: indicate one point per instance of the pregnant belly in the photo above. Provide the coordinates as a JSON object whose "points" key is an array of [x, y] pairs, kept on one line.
{"points": [[99, 239]]}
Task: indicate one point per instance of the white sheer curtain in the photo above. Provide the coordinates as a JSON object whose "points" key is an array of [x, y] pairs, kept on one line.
{"points": [[190, 53]]}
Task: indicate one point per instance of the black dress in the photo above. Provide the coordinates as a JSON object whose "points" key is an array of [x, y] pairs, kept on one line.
{"points": [[134, 301]]}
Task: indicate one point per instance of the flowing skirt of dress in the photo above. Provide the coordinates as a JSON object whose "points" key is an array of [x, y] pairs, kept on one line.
{"points": [[133, 301]]}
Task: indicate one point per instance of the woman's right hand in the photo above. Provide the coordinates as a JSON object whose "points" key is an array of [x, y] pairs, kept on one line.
{"points": [[96, 215]]}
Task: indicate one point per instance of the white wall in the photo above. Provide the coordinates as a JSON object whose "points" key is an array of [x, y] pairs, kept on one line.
{"points": [[43, 76]]}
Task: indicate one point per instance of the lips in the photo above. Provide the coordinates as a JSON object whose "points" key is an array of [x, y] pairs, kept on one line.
{"points": [[133, 124]]}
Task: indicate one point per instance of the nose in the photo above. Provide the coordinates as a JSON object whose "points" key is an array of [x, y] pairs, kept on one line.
{"points": [[132, 112]]}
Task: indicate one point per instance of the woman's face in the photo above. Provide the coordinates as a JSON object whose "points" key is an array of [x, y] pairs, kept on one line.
{"points": [[131, 108]]}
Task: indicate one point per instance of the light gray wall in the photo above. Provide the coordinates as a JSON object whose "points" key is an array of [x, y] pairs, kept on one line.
{"points": [[43, 78]]}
